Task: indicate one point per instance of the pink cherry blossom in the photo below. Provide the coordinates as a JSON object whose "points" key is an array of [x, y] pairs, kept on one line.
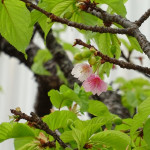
{"points": [[95, 85], [82, 71]]}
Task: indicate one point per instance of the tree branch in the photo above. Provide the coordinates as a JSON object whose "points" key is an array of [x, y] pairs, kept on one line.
{"points": [[143, 18], [120, 63], [39, 124], [133, 26], [80, 26]]}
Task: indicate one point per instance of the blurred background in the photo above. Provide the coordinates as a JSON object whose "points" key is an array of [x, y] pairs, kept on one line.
{"points": [[18, 83]]}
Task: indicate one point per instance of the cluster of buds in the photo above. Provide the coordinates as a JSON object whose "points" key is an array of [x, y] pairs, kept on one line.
{"points": [[86, 55], [91, 82]]}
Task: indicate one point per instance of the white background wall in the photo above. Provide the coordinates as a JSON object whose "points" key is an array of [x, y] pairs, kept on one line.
{"points": [[19, 87]]}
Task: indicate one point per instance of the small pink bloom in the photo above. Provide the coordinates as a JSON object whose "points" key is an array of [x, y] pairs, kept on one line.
{"points": [[82, 71], [95, 85]]}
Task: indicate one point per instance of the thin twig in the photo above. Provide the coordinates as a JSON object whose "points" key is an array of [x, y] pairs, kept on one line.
{"points": [[38, 123], [143, 18], [120, 63]]}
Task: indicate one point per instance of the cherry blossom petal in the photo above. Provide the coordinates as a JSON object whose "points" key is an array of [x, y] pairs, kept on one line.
{"points": [[82, 71], [95, 85]]}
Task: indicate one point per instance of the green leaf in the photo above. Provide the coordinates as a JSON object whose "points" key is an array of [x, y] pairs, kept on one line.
{"points": [[103, 42], [127, 123], [115, 139], [19, 143], [142, 148], [116, 5], [28, 146], [78, 136], [14, 27], [58, 119], [146, 132], [141, 116], [41, 57], [131, 98], [56, 99], [15, 130], [98, 108], [87, 19], [67, 136], [89, 127], [83, 101], [134, 44], [67, 96], [89, 130], [83, 98], [116, 51], [99, 120], [58, 7], [105, 68]]}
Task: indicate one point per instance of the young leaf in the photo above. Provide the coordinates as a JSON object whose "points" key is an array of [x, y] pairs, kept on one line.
{"points": [[141, 116], [116, 51], [20, 143], [67, 136], [103, 42], [56, 98], [115, 139], [14, 23], [134, 44], [98, 108], [30, 145], [88, 128], [146, 132], [57, 7], [116, 5], [78, 137], [15, 130], [58, 119], [65, 97], [41, 57]]}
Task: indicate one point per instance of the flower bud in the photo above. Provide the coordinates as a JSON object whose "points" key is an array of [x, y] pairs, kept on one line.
{"points": [[78, 56], [86, 54], [92, 60]]}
